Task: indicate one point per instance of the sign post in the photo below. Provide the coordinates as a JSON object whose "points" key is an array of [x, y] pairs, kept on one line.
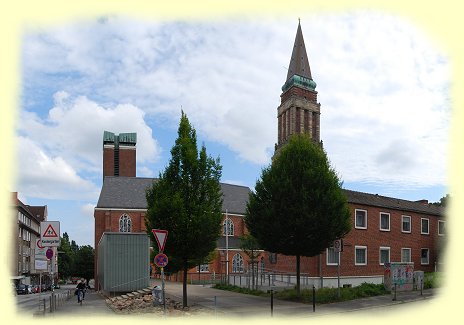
{"points": [[162, 289], [161, 260], [338, 247]]}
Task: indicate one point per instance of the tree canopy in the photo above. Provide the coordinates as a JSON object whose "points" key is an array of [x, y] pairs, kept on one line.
{"points": [[187, 200], [75, 260], [298, 207]]}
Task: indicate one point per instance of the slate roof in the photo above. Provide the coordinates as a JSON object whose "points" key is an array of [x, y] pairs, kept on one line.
{"points": [[392, 203], [299, 63], [129, 193]]}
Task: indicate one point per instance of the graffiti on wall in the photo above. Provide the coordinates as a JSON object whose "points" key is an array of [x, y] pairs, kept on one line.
{"points": [[399, 274]]}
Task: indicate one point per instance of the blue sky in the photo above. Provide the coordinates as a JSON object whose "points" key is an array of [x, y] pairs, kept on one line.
{"points": [[383, 86]]}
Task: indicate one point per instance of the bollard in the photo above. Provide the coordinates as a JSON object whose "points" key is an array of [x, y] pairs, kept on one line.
{"points": [[422, 286], [314, 299], [215, 305], [44, 307], [51, 310], [272, 303], [394, 297]]}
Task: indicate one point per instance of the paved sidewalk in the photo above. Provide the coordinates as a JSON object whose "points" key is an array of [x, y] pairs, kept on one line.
{"points": [[236, 304], [93, 305], [226, 303]]}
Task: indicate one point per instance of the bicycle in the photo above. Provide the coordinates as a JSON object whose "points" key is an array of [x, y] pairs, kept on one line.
{"points": [[80, 296]]}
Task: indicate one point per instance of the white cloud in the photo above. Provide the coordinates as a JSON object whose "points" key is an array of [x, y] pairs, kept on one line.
{"points": [[49, 177], [74, 130], [87, 210], [61, 156], [383, 87]]}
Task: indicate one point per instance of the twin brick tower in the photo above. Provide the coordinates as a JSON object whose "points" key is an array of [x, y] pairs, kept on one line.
{"points": [[299, 112]]}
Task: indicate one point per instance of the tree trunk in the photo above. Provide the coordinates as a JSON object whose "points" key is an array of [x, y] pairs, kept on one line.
{"points": [[184, 286], [298, 275]]}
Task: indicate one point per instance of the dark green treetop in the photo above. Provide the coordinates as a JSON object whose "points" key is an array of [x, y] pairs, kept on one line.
{"points": [[187, 200]]}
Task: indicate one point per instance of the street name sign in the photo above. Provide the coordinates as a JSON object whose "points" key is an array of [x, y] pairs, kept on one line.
{"points": [[160, 236], [50, 233]]}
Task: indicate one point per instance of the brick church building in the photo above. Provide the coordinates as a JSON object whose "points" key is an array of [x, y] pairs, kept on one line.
{"points": [[384, 229]]}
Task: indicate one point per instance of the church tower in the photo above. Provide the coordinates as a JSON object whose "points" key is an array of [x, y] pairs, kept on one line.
{"points": [[119, 154], [299, 111]]}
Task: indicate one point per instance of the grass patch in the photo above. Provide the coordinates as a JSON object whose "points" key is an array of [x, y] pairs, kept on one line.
{"points": [[229, 287], [323, 295], [329, 295]]}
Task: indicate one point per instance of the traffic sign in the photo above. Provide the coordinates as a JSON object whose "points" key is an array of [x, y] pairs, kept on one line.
{"points": [[39, 250], [161, 260], [50, 233], [49, 253], [160, 236], [338, 245]]}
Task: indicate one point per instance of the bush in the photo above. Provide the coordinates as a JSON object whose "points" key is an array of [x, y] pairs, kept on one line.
{"points": [[323, 295], [329, 295], [432, 280]]}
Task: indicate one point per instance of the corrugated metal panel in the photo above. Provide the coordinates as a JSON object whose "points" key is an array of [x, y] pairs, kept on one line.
{"points": [[123, 261]]}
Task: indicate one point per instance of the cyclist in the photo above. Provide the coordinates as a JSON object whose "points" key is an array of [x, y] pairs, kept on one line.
{"points": [[80, 291]]}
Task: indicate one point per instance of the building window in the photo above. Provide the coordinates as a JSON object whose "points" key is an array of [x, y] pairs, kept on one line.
{"points": [[228, 227], [237, 263], [360, 255], [332, 256], [424, 226], [424, 256], [273, 258], [203, 268], [406, 255], [360, 219], [384, 221], [125, 223], [405, 223], [441, 228], [384, 255]]}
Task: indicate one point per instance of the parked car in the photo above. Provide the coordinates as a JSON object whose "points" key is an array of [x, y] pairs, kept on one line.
{"points": [[21, 289], [35, 288]]}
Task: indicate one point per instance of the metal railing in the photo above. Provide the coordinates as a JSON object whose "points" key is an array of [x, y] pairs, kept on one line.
{"points": [[53, 302]]}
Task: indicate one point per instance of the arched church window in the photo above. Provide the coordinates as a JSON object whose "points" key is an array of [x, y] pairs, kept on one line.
{"points": [[237, 263], [125, 223], [228, 227]]}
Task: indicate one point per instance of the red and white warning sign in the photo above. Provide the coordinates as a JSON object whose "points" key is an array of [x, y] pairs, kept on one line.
{"points": [[160, 236], [50, 233]]}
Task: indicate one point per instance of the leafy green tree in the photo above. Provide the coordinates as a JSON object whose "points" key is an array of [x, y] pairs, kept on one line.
{"points": [[84, 262], [65, 257], [298, 207], [250, 247], [186, 200], [444, 201]]}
